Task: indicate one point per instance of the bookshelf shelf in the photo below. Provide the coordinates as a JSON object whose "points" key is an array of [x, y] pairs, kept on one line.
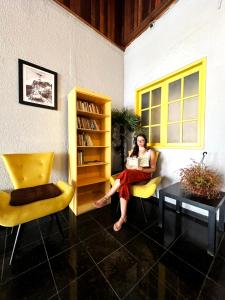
{"points": [[92, 130], [90, 181], [85, 147], [91, 164], [89, 147]]}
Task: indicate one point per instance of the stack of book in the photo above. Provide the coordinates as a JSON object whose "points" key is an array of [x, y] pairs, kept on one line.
{"points": [[84, 139], [87, 123], [88, 106]]}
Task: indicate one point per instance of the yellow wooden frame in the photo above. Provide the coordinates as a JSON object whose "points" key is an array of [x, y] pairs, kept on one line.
{"points": [[197, 66], [90, 180]]}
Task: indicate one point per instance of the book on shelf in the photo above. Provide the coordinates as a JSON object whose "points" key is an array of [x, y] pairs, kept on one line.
{"points": [[137, 162], [88, 106], [84, 139], [87, 123], [79, 157]]}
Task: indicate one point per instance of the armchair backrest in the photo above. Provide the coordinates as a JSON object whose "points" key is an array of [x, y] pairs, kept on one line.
{"points": [[30, 169]]}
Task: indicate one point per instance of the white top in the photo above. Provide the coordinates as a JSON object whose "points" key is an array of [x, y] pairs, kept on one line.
{"points": [[147, 154]]}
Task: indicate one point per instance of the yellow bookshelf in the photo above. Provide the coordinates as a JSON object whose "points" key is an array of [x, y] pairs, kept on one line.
{"points": [[89, 118]]}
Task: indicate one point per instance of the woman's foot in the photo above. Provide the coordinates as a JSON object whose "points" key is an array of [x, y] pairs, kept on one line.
{"points": [[118, 225], [101, 202]]}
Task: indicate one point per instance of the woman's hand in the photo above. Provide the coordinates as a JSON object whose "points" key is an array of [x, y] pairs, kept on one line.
{"points": [[140, 169]]}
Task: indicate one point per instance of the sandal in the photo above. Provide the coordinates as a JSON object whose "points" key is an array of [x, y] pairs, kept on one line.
{"points": [[118, 225], [101, 202]]}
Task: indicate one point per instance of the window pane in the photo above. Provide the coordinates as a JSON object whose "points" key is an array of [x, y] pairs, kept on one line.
{"points": [[190, 108], [155, 134], [191, 84], [175, 90], [174, 112], [173, 133], [190, 132], [155, 115], [145, 117], [145, 100], [156, 97]]}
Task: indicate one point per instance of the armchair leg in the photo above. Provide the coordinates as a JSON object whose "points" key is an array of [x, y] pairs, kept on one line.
{"points": [[14, 246], [143, 209], [59, 225]]}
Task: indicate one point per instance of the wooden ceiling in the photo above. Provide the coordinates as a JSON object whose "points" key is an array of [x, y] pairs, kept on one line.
{"points": [[120, 21]]}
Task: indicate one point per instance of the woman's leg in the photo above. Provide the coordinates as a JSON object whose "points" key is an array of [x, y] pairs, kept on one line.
{"points": [[103, 201], [123, 208]]}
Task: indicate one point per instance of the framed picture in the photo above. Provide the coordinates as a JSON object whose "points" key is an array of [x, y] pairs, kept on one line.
{"points": [[37, 85]]}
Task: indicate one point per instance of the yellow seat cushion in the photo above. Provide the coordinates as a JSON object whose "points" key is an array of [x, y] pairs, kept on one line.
{"points": [[14, 215], [142, 191]]}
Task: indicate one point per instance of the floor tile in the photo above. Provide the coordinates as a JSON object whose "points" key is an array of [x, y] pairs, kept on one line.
{"points": [[55, 243], [91, 286], [70, 264], [126, 233], [105, 217], [87, 228], [212, 291], [100, 245], [165, 237], [49, 225], [151, 288], [146, 251], [24, 259], [217, 272], [29, 233], [122, 271], [192, 251], [179, 276], [35, 284]]}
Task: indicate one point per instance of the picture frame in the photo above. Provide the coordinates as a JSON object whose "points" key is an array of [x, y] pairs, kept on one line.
{"points": [[37, 85]]}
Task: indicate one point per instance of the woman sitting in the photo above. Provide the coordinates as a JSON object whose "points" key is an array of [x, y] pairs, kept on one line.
{"points": [[129, 176]]}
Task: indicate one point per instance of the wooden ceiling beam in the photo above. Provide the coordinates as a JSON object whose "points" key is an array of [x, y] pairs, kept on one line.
{"points": [[120, 21]]}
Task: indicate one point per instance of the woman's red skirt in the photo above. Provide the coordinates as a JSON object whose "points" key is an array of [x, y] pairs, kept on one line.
{"points": [[127, 177]]}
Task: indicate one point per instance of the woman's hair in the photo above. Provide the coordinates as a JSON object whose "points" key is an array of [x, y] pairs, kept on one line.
{"points": [[136, 148]]}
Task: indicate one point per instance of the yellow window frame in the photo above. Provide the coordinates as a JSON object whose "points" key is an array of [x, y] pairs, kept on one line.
{"points": [[198, 66]]}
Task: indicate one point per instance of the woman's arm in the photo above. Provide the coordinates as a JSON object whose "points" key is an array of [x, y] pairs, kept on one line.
{"points": [[152, 169]]}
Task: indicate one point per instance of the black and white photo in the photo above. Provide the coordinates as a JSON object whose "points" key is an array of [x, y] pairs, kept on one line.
{"points": [[37, 85]]}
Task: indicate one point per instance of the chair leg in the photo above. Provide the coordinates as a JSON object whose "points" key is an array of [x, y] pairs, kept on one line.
{"points": [[143, 209], [59, 225], [14, 246]]}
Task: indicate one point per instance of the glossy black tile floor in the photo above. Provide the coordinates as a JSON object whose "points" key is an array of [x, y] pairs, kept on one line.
{"points": [[94, 262]]}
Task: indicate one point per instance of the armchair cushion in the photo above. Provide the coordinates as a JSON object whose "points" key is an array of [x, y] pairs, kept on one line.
{"points": [[35, 193]]}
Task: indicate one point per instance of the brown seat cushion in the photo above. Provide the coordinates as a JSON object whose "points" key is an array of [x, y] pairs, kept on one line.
{"points": [[35, 193]]}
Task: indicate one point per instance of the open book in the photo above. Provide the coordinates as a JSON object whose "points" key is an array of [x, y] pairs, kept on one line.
{"points": [[136, 162]]}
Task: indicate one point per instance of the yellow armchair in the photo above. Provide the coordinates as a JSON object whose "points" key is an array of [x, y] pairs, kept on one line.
{"points": [[29, 170], [142, 191]]}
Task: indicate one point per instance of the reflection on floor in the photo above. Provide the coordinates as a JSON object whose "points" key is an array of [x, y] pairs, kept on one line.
{"points": [[94, 262]]}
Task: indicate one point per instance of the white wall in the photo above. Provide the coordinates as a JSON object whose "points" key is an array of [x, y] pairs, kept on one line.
{"points": [[43, 33], [188, 31]]}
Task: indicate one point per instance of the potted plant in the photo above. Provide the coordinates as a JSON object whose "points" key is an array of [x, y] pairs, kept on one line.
{"points": [[124, 121], [201, 180]]}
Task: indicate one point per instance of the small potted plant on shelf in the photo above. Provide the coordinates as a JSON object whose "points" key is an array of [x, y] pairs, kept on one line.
{"points": [[201, 180]]}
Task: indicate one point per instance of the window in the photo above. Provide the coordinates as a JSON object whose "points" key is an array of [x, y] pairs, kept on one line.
{"points": [[172, 108]]}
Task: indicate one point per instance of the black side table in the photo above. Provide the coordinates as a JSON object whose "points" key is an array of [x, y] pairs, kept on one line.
{"points": [[175, 191]]}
